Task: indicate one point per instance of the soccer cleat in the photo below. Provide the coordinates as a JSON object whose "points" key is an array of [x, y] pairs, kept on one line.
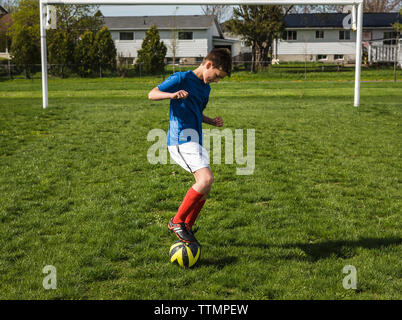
{"points": [[192, 232], [180, 230]]}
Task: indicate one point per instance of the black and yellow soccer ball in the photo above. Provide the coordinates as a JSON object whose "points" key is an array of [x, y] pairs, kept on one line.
{"points": [[185, 254]]}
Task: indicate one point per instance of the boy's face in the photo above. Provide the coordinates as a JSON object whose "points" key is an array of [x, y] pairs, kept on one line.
{"points": [[212, 74]]}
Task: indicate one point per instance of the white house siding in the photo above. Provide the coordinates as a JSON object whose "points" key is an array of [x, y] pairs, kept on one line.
{"points": [[189, 48], [214, 30], [307, 44], [379, 35], [198, 47], [209, 39]]}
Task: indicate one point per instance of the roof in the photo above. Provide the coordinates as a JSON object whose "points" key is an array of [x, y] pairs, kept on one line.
{"points": [[5, 22], [335, 20], [161, 22], [3, 11]]}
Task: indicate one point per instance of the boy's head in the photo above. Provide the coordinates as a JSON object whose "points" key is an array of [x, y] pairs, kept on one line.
{"points": [[217, 65]]}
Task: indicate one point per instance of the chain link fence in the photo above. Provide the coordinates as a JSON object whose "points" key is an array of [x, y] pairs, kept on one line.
{"points": [[283, 69]]}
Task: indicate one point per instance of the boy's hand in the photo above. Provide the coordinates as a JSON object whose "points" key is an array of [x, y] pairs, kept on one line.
{"points": [[182, 94], [217, 122]]}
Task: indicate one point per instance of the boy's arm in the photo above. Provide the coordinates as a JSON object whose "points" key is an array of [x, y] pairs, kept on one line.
{"points": [[217, 122], [155, 94]]}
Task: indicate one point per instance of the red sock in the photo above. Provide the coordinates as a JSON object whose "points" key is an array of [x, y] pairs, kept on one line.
{"points": [[190, 200], [192, 216]]}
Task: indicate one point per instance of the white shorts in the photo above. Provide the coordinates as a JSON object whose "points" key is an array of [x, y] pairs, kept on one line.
{"points": [[191, 156]]}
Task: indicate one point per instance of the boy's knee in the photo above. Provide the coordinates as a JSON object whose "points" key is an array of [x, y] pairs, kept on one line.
{"points": [[208, 180], [205, 184], [204, 180]]}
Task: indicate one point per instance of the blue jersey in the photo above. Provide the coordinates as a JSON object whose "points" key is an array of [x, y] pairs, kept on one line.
{"points": [[185, 115]]}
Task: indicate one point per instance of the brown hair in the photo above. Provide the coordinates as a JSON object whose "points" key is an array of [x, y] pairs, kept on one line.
{"points": [[221, 59]]}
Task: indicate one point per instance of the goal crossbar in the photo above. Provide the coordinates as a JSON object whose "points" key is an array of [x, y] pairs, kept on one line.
{"points": [[358, 19]]}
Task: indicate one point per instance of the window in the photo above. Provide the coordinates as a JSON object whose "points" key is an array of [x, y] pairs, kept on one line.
{"points": [[321, 57], [392, 38], [126, 35], [186, 35], [338, 57], [289, 35], [344, 35], [319, 34], [170, 60]]}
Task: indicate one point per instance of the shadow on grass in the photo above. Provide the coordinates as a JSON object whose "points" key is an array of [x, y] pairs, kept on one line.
{"points": [[343, 249], [219, 262]]}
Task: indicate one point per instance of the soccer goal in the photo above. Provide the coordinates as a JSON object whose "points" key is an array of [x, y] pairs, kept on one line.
{"points": [[357, 24]]}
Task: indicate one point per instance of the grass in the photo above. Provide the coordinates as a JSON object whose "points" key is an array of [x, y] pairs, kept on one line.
{"points": [[78, 193]]}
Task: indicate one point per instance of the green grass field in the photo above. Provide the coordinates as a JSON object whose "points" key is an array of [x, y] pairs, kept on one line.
{"points": [[78, 193]]}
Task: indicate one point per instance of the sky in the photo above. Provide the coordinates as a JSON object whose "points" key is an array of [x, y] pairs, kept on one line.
{"points": [[108, 11]]}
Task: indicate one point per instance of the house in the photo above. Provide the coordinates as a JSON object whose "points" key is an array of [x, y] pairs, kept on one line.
{"points": [[5, 23], [240, 50], [190, 37], [2, 11], [323, 37]]}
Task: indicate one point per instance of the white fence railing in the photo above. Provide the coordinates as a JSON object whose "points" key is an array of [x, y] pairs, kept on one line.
{"points": [[385, 53]]}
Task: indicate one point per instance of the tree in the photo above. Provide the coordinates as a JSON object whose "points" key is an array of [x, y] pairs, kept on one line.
{"points": [[368, 6], [61, 51], [174, 40], [151, 56], [84, 54], [72, 22], [317, 9], [25, 52], [259, 26], [220, 12], [105, 50], [381, 5], [76, 19], [398, 25], [25, 36]]}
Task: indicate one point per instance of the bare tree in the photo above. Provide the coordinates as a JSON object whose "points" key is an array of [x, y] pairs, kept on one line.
{"points": [[258, 25], [220, 12], [382, 5], [317, 9], [369, 6], [174, 40]]}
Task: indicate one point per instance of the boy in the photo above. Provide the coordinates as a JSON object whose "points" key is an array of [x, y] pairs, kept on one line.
{"points": [[189, 94]]}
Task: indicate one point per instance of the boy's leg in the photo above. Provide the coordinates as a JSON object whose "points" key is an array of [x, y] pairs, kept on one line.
{"points": [[193, 215], [190, 200], [177, 223], [193, 158], [204, 180]]}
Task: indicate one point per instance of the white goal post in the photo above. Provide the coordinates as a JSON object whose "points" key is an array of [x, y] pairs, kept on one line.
{"points": [[356, 18]]}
